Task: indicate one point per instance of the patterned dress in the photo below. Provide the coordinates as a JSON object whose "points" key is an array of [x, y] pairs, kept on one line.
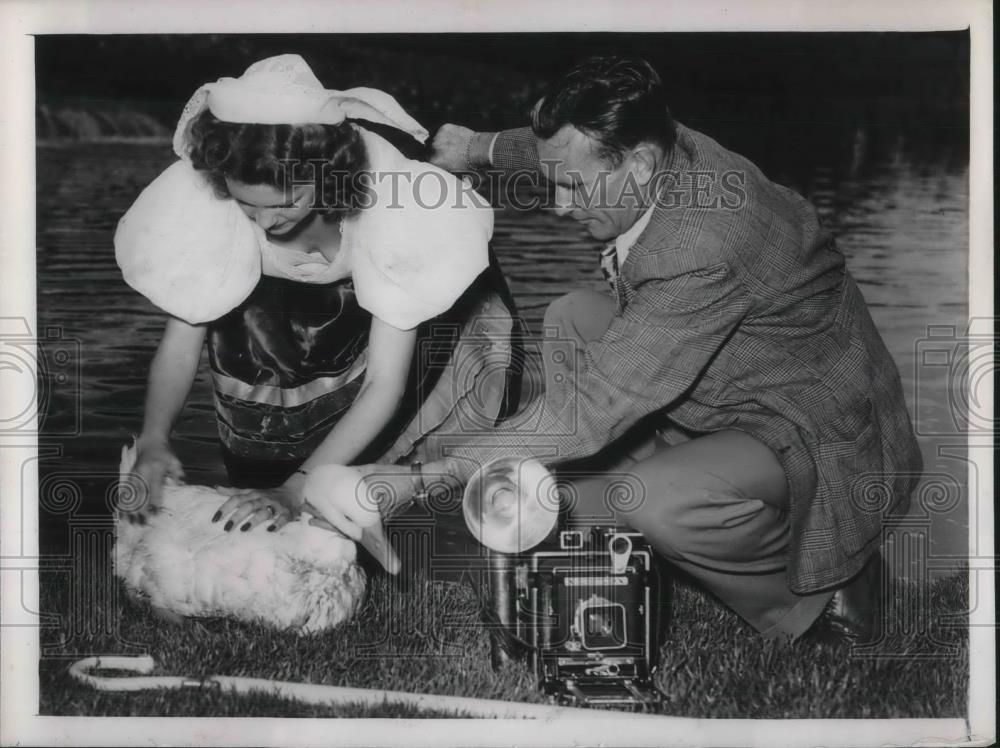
{"points": [[289, 361]]}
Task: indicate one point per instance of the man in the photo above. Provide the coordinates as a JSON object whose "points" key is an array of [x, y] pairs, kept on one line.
{"points": [[733, 330]]}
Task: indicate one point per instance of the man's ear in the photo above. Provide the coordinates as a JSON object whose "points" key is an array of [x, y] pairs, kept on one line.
{"points": [[645, 157], [536, 107]]}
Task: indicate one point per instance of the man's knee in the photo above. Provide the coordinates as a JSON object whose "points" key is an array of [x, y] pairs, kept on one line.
{"points": [[666, 520], [693, 526], [631, 499], [690, 506]]}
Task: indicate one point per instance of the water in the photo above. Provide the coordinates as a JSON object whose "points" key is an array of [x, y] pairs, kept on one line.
{"points": [[898, 204]]}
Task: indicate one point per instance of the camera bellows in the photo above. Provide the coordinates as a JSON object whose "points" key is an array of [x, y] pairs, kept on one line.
{"points": [[511, 504]]}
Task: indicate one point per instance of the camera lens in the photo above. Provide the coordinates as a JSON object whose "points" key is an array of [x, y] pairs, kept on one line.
{"points": [[603, 626], [599, 624]]}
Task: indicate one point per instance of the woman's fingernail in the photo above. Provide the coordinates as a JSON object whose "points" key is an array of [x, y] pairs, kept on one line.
{"points": [[245, 527], [229, 526], [217, 516], [271, 528]]}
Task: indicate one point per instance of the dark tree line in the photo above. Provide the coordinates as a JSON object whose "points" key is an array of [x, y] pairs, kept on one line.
{"points": [[492, 79]]}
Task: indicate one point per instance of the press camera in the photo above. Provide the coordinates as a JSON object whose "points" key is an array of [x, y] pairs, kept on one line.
{"points": [[583, 603], [584, 606]]}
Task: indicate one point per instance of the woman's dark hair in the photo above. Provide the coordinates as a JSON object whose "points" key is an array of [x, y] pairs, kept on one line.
{"points": [[618, 101], [333, 156]]}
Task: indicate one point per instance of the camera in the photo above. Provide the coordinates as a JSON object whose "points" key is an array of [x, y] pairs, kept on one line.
{"points": [[584, 606]]}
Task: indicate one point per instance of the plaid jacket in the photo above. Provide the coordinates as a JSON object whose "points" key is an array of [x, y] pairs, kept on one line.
{"points": [[736, 311]]}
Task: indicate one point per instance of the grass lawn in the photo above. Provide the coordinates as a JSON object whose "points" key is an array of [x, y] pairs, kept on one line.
{"points": [[424, 635]]}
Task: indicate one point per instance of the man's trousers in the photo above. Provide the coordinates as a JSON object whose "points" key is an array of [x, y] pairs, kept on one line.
{"points": [[712, 504]]}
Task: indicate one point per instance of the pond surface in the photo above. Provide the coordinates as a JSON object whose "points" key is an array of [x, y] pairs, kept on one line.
{"points": [[898, 205]]}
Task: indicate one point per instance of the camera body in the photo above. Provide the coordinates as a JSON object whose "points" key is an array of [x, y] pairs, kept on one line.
{"points": [[586, 604]]}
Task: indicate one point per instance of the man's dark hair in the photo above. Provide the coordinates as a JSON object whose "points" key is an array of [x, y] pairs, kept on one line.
{"points": [[618, 101]]}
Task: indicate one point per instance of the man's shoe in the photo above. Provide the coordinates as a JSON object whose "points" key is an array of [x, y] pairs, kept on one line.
{"points": [[853, 614]]}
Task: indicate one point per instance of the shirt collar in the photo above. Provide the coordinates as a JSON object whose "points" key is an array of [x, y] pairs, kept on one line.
{"points": [[625, 241]]}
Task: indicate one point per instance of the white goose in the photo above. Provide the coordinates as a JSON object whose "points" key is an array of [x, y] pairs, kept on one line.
{"points": [[300, 578]]}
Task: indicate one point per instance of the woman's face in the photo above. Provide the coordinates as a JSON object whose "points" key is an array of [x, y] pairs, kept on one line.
{"points": [[275, 211]]}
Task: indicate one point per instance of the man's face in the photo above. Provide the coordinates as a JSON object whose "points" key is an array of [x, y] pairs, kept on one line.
{"points": [[599, 195]]}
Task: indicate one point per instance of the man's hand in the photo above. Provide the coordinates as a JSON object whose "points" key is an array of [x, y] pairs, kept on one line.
{"points": [[354, 500], [155, 462], [450, 148], [342, 498]]}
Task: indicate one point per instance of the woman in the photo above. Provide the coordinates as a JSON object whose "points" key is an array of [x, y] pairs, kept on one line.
{"points": [[347, 292]]}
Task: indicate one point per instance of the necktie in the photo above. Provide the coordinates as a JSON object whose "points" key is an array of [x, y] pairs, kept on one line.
{"points": [[609, 264]]}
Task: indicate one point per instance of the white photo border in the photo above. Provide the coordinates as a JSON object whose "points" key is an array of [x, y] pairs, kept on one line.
{"points": [[19, 646]]}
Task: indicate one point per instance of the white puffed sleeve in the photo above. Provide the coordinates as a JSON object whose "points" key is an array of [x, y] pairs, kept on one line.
{"points": [[422, 242], [194, 255]]}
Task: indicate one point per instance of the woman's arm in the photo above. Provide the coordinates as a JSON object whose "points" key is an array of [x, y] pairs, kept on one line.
{"points": [[390, 352], [170, 378]]}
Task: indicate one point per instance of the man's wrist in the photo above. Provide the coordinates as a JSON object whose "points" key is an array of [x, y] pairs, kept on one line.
{"points": [[294, 487], [452, 471], [418, 484], [477, 152]]}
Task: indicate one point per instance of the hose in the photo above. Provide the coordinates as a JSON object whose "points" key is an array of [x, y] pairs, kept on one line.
{"points": [[322, 695]]}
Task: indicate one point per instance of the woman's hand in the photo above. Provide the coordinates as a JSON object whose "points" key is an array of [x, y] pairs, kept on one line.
{"points": [[254, 506], [155, 462], [170, 377]]}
